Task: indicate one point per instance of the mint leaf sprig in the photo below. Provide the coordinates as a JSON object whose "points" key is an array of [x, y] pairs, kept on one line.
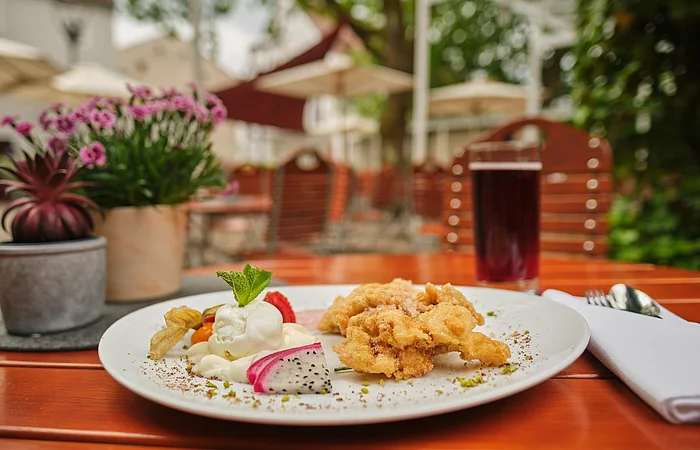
{"points": [[246, 285]]}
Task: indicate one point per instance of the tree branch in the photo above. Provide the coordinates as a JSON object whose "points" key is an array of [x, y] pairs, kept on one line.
{"points": [[362, 31]]}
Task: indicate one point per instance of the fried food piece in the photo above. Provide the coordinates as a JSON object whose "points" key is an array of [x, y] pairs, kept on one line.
{"points": [[383, 340], [451, 328], [390, 340], [400, 293]]}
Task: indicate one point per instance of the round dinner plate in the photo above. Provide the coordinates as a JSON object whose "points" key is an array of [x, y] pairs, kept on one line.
{"points": [[544, 337]]}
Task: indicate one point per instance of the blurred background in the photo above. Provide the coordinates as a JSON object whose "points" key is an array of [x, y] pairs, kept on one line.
{"points": [[387, 93]]}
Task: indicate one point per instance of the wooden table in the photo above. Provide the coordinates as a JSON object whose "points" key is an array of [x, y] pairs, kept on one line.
{"points": [[50, 397], [249, 207]]}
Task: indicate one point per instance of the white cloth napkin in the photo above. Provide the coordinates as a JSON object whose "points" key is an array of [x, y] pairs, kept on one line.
{"points": [[659, 359]]}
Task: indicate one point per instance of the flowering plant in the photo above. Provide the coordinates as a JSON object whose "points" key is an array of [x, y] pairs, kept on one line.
{"points": [[50, 207], [152, 149]]}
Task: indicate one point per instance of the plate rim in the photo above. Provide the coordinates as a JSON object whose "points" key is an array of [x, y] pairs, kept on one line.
{"points": [[266, 418]]}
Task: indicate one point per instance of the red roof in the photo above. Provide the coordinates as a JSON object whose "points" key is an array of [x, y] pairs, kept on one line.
{"points": [[247, 104]]}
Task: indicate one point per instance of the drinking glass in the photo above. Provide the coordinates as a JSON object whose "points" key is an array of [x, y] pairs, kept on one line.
{"points": [[506, 212]]}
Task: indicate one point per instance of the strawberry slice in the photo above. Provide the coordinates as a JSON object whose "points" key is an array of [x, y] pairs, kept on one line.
{"points": [[280, 302]]}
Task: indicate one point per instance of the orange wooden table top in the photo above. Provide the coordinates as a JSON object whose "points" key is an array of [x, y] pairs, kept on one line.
{"points": [[240, 204], [66, 400]]}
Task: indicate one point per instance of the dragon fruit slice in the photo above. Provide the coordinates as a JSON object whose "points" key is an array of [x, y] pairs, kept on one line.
{"points": [[300, 370], [259, 364]]}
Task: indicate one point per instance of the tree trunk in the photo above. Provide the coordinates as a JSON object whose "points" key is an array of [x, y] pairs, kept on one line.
{"points": [[399, 56]]}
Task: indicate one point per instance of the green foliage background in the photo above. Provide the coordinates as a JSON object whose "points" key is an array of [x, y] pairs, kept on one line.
{"points": [[637, 82]]}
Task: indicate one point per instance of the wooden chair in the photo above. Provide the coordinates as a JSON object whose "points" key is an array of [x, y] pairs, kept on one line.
{"points": [[428, 190], [576, 190], [252, 179], [341, 193], [385, 188], [301, 201]]}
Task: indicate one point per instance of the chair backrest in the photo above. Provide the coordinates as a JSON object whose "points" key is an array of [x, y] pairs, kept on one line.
{"points": [[576, 190], [252, 179], [428, 189], [386, 188], [302, 191], [343, 184]]}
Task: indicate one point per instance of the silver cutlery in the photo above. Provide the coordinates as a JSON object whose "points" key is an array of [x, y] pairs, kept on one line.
{"points": [[624, 298]]}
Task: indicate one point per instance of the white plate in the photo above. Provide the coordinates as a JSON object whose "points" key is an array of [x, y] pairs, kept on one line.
{"points": [[556, 336]]}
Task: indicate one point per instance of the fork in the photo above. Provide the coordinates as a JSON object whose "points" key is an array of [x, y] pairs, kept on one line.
{"points": [[598, 298]]}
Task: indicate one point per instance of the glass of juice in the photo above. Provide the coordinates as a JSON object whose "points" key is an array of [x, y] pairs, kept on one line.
{"points": [[506, 213]]}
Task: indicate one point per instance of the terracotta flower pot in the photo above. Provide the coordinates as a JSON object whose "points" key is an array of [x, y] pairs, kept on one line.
{"points": [[145, 251]]}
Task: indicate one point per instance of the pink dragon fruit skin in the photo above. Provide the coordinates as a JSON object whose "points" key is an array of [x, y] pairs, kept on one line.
{"points": [[300, 370], [258, 365]]}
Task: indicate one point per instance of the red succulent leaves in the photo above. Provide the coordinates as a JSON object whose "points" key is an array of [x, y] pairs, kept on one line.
{"points": [[49, 211]]}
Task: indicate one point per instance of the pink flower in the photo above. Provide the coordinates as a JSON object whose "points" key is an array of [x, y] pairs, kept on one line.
{"points": [[232, 188], [182, 102], [56, 107], [93, 155], [45, 121], [213, 100], [140, 112], [80, 115], [8, 120], [201, 113], [103, 118], [65, 124], [92, 103], [56, 144], [157, 106], [116, 101], [24, 128], [218, 114], [171, 92], [142, 92]]}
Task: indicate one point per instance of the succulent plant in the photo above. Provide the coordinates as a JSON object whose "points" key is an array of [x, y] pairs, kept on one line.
{"points": [[50, 210]]}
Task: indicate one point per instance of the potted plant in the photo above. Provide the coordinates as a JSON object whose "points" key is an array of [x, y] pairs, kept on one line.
{"points": [[147, 157], [52, 273]]}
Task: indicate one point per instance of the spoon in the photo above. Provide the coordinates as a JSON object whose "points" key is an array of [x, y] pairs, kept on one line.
{"points": [[631, 299]]}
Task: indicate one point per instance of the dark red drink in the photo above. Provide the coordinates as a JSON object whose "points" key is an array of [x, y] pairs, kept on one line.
{"points": [[506, 220]]}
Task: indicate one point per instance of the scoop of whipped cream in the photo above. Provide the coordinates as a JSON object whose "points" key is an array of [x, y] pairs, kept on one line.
{"points": [[240, 336], [244, 331]]}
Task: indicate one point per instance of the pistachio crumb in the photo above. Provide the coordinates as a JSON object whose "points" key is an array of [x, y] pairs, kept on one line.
{"points": [[491, 314], [364, 390], [209, 384], [528, 358], [366, 383], [230, 394], [479, 379], [227, 384], [324, 391], [508, 368], [211, 393], [285, 398]]}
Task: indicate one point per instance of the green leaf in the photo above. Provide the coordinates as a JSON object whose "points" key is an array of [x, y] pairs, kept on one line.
{"points": [[226, 276], [246, 285], [257, 280]]}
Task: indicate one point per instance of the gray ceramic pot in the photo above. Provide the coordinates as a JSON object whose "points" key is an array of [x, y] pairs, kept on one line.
{"points": [[53, 286]]}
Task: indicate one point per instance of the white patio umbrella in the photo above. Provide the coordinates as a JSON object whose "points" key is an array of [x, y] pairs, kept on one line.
{"points": [[21, 63], [78, 84], [336, 75], [478, 97]]}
